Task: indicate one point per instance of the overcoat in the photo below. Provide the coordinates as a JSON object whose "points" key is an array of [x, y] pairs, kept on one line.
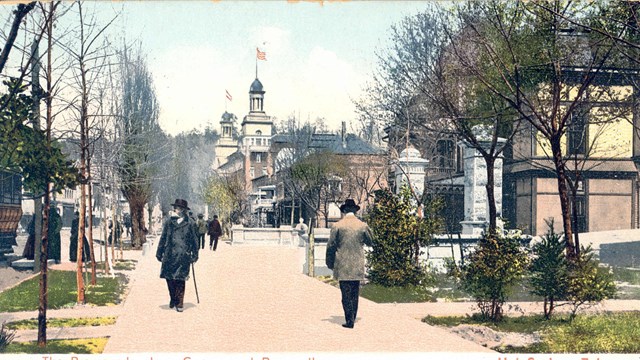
{"points": [[215, 229], [178, 248], [345, 249]]}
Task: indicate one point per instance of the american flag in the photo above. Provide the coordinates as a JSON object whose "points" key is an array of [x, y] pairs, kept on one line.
{"points": [[228, 95], [261, 55]]}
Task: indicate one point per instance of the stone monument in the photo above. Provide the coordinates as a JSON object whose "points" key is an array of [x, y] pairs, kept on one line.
{"points": [[476, 209]]}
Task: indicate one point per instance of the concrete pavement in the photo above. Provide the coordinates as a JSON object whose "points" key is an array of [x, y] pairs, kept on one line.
{"points": [[254, 298]]}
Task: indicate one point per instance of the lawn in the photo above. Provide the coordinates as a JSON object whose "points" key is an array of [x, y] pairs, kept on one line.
{"points": [[62, 292], [61, 322], [602, 333], [627, 281], [70, 346], [120, 265]]}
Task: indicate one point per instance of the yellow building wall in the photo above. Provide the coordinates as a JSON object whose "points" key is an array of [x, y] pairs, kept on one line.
{"points": [[610, 130], [547, 205]]}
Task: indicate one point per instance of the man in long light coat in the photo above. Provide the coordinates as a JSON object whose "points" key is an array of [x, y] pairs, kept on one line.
{"points": [[177, 249], [345, 256]]}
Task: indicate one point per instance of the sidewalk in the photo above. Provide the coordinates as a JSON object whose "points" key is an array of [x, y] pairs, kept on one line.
{"points": [[254, 298]]}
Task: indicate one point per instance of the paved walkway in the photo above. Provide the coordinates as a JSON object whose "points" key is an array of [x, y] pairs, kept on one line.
{"points": [[255, 299]]}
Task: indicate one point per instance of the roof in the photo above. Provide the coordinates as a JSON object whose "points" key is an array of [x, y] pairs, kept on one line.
{"points": [[256, 86], [352, 145]]}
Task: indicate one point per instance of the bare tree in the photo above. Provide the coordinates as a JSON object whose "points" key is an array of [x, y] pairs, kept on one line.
{"points": [[138, 119]]}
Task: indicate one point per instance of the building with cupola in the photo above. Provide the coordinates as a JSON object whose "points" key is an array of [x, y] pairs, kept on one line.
{"points": [[246, 153]]}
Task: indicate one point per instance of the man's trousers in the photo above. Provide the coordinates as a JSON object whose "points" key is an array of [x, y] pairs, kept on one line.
{"points": [[350, 291], [213, 242], [176, 292]]}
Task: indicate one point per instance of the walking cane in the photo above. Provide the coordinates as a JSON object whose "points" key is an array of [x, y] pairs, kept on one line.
{"points": [[193, 270]]}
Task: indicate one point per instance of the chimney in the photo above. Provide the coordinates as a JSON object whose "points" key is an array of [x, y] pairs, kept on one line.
{"points": [[344, 135]]}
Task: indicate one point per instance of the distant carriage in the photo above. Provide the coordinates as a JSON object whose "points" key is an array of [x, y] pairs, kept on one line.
{"points": [[10, 210]]}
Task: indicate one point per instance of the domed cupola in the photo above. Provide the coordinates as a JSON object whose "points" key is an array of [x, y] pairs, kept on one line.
{"points": [[256, 97], [410, 153], [256, 87]]}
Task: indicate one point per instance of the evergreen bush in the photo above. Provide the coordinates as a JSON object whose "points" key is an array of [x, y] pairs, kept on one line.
{"points": [[400, 230], [548, 269], [497, 263], [587, 281]]}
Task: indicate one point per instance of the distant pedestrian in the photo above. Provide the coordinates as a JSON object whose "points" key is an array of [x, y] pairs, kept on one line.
{"points": [[53, 243], [29, 248], [177, 250], [115, 232], [215, 231], [127, 224], [202, 229], [73, 241], [345, 256]]}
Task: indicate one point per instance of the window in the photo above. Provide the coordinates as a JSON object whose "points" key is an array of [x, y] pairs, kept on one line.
{"points": [[259, 132], [252, 172], [264, 171], [577, 132], [445, 153], [259, 157]]}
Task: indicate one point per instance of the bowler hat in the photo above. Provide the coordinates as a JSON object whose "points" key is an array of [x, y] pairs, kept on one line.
{"points": [[349, 206], [181, 203]]}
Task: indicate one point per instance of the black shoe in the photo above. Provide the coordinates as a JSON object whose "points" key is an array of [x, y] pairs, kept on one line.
{"points": [[348, 326], [179, 309], [171, 305]]}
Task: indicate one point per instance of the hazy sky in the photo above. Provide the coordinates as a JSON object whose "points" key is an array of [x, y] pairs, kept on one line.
{"points": [[318, 55]]}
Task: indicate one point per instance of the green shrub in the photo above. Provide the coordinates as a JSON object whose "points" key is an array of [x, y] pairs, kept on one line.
{"points": [[6, 337], [587, 282], [548, 269], [490, 271], [399, 233]]}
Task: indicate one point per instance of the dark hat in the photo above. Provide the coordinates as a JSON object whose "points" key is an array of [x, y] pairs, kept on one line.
{"points": [[181, 203], [349, 206], [200, 215]]}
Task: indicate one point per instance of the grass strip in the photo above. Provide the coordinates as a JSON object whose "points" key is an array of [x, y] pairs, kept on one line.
{"points": [[30, 324], [62, 292], [66, 346]]}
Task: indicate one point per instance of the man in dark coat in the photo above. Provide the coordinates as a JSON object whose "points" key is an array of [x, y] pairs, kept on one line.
{"points": [[215, 231], [345, 256], [202, 229], [177, 249]]}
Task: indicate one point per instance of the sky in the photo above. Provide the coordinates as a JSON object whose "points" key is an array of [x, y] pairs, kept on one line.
{"points": [[319, 55]]}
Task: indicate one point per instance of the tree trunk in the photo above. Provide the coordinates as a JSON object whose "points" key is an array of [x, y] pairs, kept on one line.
{"points": [[136, 206], [491, 197], [90, 237], [21, 11], [563, 194], [44, 254]]}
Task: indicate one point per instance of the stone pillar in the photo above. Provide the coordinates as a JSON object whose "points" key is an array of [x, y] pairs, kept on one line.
{"points": [[476, 207]]}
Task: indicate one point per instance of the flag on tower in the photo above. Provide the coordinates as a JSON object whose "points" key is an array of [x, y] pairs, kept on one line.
{"points": [[229, 97], [261, 55]]}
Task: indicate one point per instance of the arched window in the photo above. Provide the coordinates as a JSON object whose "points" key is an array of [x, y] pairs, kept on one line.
{"points": [[258, 132]]}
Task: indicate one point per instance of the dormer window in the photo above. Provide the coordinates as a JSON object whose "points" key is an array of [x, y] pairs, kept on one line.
{"points": [[258, 132]]}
